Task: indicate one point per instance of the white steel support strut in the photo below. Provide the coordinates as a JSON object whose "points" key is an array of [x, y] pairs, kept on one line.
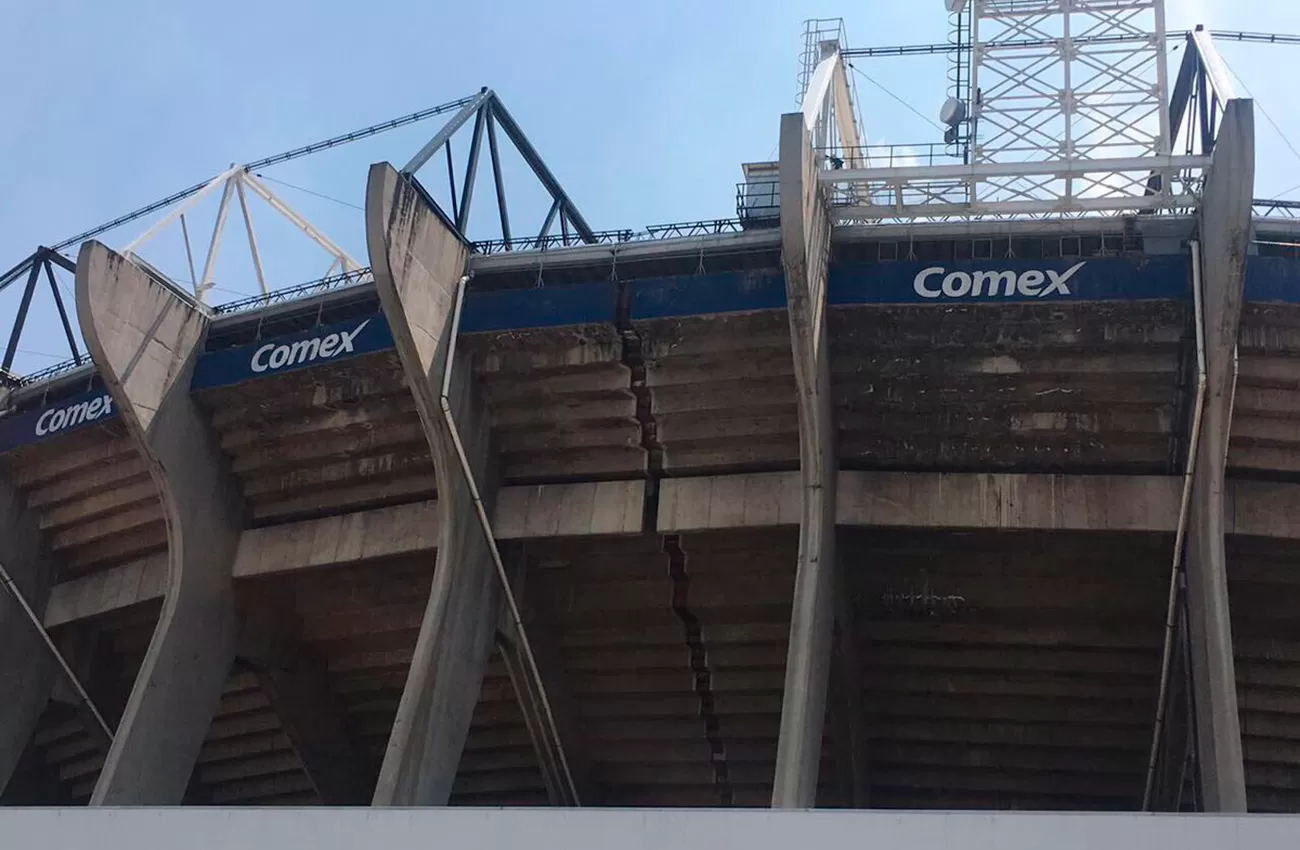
{"points": [[252, 240], [348, 264], [210, 265], [233, 182], [220, 180]]}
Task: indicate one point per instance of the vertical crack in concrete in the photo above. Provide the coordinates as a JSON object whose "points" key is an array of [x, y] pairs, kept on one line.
{"points": [[634, 360], [693, 636], [700, 672]]}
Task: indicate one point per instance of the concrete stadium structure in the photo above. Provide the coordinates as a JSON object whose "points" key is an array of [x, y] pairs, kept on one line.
{"points": [[820, 512]]}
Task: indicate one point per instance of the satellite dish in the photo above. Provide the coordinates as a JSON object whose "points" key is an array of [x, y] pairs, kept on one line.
{"points": [[953, 111], [955, 6]]}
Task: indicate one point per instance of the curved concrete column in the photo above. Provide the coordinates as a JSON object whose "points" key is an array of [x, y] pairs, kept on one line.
{"points": [[28, 670], [805, 246], [145, 336], [418, 261], [1225, 223]]}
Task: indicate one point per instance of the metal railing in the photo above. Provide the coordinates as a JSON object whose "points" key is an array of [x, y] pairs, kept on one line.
{"points": [[50, 372], [708, 227], [674, 230], [758, 201], [549, 242], [888, 156], [292, 293], [1275, 208]]}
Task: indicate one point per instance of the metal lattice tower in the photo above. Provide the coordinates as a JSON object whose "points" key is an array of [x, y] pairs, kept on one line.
{"points": [[816, 31], [1067, 81]]}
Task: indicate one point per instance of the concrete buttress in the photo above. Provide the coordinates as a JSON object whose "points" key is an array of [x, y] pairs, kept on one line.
{"points": [[145, 335], [418, 261], [1225, 222], [805, 246]]}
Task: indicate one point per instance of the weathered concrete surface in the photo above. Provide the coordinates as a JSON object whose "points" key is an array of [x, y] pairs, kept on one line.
{"points": [[340, 437], [1225, 222], [340, 539], [523, 512], [730, 501], [1266, 406], [560, 401], [566, 769], [1262, 509], [753, 500], [107, 590], [1081, 387], [145, 336], [1009, 501], [722, 390], [295, 683], [418, 262], [569, 510], [805, 247], [29, 671], [92, 495], [1007, 670]]}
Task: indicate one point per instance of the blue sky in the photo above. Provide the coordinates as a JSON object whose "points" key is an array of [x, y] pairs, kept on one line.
{"points": [[643, 111]]}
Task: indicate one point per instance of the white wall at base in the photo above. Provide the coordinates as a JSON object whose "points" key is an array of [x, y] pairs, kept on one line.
{"points": [[662, 829]]}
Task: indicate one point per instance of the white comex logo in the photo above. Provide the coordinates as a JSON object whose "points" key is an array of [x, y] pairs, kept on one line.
{"points": [[1030, 284], [60, 418], [274, 356]]}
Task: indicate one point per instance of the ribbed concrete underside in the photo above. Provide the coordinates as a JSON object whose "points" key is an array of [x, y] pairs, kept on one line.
{"points": [[64, 758], [561, 403], [673, 652], [722, 391], [1265, 593], [1007, 671], [360, 624], [1266, 414], [93, 497], [337, 437], [98, 508], [1022, 386], [329, 440]]}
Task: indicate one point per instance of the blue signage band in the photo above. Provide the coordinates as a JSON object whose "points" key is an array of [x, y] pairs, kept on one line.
{"points": [[289, 353], [1003, 281], [69, 414]]}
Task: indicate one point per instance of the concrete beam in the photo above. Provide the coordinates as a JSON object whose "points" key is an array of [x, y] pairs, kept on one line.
{"points": [[145, 336], [1008, 501], [107, 590], [729, 501], [295, 682], [1225, 223], [1262, 509], [805, 249], [532, 511], [28, 670], [418, 261], [569, 510], [340, 539], [968, 500]]}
